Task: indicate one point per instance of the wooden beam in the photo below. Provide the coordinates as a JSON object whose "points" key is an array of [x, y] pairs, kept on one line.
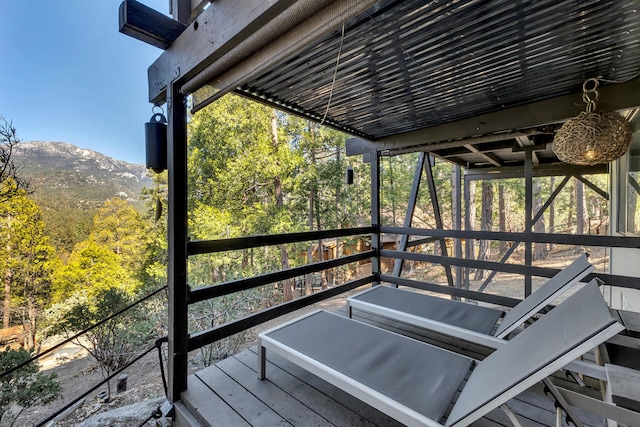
{"points": [[555, 169], [550, 111], [225, 24], [523, 142], [489, 157], [148, 25], [181, 10], [197, 6]]}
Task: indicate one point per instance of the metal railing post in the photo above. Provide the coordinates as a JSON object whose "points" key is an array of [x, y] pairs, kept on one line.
{"points": [[178, 237]]}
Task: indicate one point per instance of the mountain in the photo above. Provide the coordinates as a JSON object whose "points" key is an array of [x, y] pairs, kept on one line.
{"points": [[71, 183], [77, 177]]}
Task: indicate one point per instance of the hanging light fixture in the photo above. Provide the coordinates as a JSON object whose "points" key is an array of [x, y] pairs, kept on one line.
{"points": [[592, 138], [155, 135]]}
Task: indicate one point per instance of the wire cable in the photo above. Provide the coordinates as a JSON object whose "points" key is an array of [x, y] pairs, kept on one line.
{"points": [[94, 388], [57, 346], [335, 74]]}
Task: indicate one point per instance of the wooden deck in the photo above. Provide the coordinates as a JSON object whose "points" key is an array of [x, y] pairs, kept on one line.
{"points": [[230, 394]]}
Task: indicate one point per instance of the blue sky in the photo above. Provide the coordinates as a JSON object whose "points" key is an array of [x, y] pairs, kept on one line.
{"points": [[67, 74]]}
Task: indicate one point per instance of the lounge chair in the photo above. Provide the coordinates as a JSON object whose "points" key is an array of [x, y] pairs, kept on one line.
{"points": [[470, 322], [415, 382]]}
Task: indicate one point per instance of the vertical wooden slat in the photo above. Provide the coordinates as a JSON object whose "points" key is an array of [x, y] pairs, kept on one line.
{"points": [[375, 215], [177, 236], [528, 215], [457, 222], [467, 226]]}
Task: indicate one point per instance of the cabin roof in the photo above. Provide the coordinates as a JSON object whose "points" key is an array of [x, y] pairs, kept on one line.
{"points": [[437, 74]]}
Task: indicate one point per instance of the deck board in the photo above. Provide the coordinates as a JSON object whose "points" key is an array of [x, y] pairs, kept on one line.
{"points": [[208, 406], [332, 410], [247, 405], [292, 410], [229, 394]]}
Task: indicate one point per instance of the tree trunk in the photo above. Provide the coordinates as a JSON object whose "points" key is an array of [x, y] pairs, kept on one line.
{"points": [[502, 218], [486, 224], [287, 288], [552, 211], [6, 313], [8, 277], [632, 202], [579, 207], [579, 211], [310, 219], [472, 216], [539, 249], [324, 273], [572, 202], [392, 192]]}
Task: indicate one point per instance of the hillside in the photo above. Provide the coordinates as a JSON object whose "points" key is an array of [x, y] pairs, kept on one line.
{"points": [[71, 183], [78, 177]]}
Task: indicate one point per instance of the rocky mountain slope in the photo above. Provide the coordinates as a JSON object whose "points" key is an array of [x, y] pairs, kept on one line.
{"points": [[71, 183], [77, 177]]}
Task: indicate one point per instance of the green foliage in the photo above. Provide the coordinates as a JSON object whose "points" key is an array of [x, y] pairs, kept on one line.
{"points": [[118, 226], [25, 387], [27, 260], [154, 270], [113, 256], [113, 343], [92, 268]]}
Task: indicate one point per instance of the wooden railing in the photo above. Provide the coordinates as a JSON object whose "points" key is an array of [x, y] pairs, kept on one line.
{"points": [[216, 333]]}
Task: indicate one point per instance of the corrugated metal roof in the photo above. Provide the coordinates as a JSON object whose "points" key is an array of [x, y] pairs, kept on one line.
{"points": [[407, 65]]}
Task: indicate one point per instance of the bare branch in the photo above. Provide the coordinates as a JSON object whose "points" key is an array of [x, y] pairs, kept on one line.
{"points": [[10, 181]]}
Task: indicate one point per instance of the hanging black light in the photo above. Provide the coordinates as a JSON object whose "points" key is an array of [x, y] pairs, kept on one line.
{"points": [[349, 176], [155, 134]]}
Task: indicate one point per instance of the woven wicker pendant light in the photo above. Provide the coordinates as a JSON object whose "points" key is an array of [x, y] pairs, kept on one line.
{"points": [[592, 138]]}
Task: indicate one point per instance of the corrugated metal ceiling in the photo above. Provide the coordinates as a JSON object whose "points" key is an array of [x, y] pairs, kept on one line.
{"points": [[408, 65]]}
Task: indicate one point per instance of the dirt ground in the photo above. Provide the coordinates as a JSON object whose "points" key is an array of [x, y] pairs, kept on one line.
{"points": [[78, 372]]}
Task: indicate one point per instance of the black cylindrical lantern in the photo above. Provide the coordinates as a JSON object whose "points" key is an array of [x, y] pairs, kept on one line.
{"points": [[349, 177], [155, 134]]}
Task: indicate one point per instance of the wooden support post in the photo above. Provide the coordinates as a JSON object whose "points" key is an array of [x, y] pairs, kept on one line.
{"points": [[181, 10], [375, 215], [528, 215], [178, 237], [467, 227], [438, 216], [457, 219], [411, 207]]}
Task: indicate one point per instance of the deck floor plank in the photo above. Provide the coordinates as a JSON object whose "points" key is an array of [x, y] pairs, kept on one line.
{"points": [[324, 405], [244, 403], [359, 407], [291, 409], [208, 407], [230, 394]]}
